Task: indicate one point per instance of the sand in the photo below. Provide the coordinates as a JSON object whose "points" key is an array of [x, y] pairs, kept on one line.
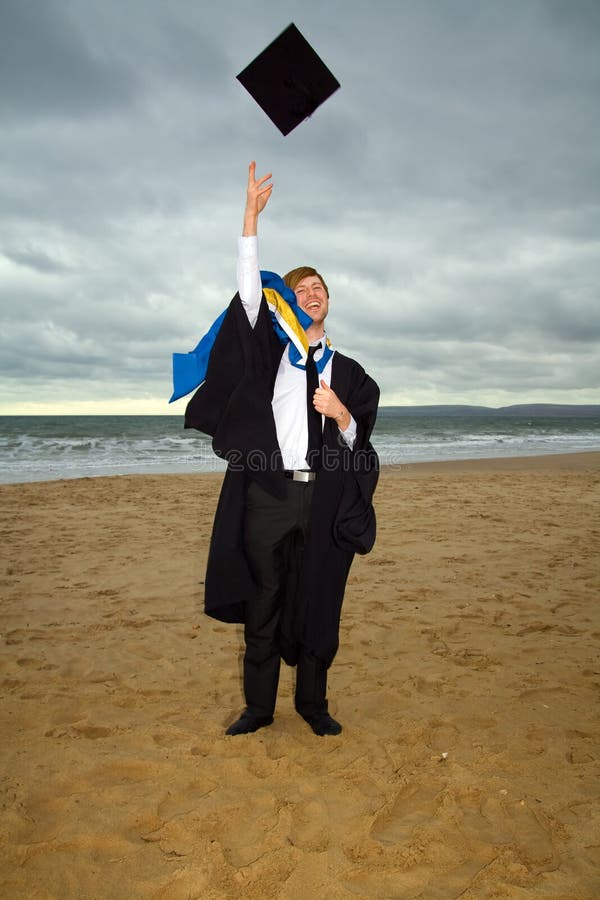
{"points": [[467, 684]]}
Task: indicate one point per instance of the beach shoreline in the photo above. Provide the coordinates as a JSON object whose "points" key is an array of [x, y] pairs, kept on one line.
{"points": [[42, 448], [466, 681], [551, 460]]}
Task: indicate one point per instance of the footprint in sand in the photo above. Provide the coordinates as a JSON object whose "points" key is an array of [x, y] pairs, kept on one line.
{"points": [[543, 693], [532, 836], [483, 819], [28, 662], [310, 828], [185, 801], [175, 839], [94, 732], [414, 805], [39, 817], [515, 823], [263, 830], [81, 729], [77, 668], [442, 737], [169, 738]]}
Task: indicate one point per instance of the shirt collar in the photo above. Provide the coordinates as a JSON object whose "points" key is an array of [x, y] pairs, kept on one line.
{"points": [[323, 342]]}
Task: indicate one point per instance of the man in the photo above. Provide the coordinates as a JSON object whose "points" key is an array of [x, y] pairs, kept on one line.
{"points": [[296, 499]]}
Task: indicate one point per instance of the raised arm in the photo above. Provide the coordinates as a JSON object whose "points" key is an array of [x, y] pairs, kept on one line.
{"points": [[257, 197], [248, 269]]}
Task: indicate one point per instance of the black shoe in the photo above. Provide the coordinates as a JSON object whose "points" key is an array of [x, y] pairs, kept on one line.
{"points": [[248, 723], [322, 723]]}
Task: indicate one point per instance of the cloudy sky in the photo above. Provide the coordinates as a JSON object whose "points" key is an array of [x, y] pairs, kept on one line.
{"points": [[449, 192]]}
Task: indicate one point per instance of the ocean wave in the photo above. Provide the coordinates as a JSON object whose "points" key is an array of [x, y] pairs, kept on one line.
{"points": [[47, 448]]}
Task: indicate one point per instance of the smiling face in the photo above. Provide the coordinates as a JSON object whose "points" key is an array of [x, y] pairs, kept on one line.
{"points": [[311, 292], [312, 297]]}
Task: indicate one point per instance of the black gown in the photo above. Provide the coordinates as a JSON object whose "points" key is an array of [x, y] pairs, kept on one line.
{"points": [[233, 406]]}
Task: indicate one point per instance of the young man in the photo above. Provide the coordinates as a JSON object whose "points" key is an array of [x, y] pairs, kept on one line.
{"points": [[296, 499]]}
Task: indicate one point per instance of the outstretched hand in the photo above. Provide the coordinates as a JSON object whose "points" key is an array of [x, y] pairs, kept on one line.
{"points": [[257, 197]]}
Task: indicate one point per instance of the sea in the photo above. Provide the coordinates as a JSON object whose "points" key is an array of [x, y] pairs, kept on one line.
{"points": [[46, 448]]}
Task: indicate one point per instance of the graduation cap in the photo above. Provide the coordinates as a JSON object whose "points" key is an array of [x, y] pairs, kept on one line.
{"points": [[288, 80]]}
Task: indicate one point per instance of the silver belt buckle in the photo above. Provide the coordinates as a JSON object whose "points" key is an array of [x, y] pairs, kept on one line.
{"points": [[300, 475]]}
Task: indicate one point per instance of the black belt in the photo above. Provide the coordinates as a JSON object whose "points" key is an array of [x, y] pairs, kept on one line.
{"points": [[300, 474]]}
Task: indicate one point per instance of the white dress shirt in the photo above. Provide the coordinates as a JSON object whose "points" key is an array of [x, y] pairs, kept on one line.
{"points": [[289, 394]]}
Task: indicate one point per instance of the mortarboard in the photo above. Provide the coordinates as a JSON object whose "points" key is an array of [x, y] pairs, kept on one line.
{"points": [[288, 80]]}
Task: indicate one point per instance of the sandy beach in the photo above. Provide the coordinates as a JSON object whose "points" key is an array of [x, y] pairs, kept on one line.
{"points": [[467, 684]]}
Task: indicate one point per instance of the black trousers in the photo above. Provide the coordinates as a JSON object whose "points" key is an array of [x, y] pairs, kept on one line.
{"points": [[274, 535]]}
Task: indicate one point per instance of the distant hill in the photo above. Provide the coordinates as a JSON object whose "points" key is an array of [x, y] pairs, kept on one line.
{"points": [[529, 410]]}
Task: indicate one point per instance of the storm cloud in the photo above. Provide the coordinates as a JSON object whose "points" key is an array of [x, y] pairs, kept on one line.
{"points": [[449, 192]]}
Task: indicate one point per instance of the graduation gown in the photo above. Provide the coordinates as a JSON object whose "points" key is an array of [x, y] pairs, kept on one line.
{"points": [[233, 406]]}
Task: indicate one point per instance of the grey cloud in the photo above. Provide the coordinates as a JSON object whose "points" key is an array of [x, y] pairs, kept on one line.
{"points": [[46, 69], [45, 350], [37, 260], [449, 192]]}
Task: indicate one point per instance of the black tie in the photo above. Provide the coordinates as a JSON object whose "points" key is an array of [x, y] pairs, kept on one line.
{"points": [[315, 423]]}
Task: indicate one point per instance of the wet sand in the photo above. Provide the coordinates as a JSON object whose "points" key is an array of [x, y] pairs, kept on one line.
{"points": [[467, 684]]}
